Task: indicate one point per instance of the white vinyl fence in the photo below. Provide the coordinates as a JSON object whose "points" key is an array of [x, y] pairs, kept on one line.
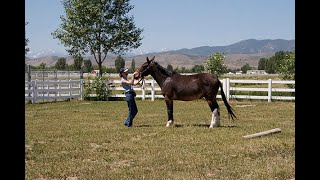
{"points": [[269, 88], [40, 91], [150, 89], [37, 90]]}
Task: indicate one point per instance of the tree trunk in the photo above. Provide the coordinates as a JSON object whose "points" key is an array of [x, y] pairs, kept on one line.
{"points": [[100, 68]]}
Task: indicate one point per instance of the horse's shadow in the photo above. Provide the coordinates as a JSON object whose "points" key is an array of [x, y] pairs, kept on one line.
{"points": [[207, 125], [148, 125], [186, 125]]}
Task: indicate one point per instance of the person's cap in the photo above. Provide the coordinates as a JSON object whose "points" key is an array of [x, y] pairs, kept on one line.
{"points": [[122, 70]]}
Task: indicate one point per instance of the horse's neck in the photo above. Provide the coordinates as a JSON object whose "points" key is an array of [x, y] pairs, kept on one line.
{"points": [[159, 77]]}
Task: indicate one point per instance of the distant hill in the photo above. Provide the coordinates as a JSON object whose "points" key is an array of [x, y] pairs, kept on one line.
{"points": [[250, 46], [238, 54]]}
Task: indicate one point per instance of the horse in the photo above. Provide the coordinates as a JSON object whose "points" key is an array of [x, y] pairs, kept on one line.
{"points": [[175, 86]]}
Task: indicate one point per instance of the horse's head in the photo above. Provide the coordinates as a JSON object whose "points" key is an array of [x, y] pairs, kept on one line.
{"points": [[146, 68]]}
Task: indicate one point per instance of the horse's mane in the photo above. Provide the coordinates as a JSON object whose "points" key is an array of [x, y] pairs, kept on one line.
{"points": [[165, 71]]}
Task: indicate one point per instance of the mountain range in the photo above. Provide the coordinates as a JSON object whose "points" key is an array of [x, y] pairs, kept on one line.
{"points": [[238, 54]]}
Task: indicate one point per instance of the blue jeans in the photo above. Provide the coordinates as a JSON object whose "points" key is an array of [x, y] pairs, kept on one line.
{"points": [[133, 110]]}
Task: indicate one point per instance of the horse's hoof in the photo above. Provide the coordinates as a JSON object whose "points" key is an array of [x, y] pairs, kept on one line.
{"points": [[169, 123]]}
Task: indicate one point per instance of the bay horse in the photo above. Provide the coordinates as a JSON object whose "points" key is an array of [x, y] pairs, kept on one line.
{"points": [[175, 86]]}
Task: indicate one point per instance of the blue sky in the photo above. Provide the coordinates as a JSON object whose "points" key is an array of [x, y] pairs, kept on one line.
{"points": [[177, 24]]}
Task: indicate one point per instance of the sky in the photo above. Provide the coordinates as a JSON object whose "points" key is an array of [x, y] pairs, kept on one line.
{"points": [[177, 24]]}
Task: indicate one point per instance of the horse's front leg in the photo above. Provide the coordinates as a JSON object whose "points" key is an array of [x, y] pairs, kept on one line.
{"points": [[169, 103]]}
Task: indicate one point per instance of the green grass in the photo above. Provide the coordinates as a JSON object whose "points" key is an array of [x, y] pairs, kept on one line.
{"points": [[87, 140]]}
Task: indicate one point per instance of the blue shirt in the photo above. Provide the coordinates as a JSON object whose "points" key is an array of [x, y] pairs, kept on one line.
{"points": [[126, 86]]}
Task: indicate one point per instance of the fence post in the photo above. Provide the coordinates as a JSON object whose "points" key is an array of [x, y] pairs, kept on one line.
{"points": [[55, 85], [81, 89], [228, 89], [29, 81], [269, 90], [70, 88], [224, 85], [35, 91], [81, 83], [152, 90], [59, 87], [48, 93], [143, 90]]}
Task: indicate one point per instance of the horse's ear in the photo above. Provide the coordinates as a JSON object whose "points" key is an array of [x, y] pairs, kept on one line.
{"points": [[153, 58], [148, 60]]}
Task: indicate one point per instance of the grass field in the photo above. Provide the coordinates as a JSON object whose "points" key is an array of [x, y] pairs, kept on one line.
{"points": [[87, 140]]}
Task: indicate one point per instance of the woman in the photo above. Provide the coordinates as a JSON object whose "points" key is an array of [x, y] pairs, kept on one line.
{"points": [[130, 95]]}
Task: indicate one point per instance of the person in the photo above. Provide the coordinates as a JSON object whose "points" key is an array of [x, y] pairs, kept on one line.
{"points": [[130, 95]]}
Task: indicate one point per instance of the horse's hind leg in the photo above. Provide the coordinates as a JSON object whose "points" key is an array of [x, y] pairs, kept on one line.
{"points": [[169, 103], [215, 120]]}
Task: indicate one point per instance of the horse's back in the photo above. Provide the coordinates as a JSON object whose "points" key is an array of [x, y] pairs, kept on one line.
{"points": [[205, 78]]}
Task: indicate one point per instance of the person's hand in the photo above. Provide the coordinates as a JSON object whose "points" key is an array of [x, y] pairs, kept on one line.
{"points": [[136, 75]]}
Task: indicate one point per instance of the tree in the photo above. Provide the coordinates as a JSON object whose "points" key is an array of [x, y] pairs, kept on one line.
{"points": [[119, 63], [26, 50], [87, 66], [42, 66], [98, 27], [245, 68], [133, 65], [61, 64], [271, 65], [215, 64], [183, 69], [169, 67], [287, 66], [262, 64], [197, 68], [77, 62]]}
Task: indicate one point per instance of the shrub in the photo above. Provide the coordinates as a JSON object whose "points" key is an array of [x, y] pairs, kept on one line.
{"points": [[97, 85]]}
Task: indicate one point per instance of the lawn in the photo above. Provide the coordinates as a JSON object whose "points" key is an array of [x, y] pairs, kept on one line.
{"points": [[87, 140]]}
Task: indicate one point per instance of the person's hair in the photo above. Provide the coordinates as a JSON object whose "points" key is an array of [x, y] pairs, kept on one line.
{"points": [[120, 74]]}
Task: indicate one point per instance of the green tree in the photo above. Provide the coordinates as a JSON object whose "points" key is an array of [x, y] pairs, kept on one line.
{"points": [[26, 50], [111, 70], [183, 69], [279, 56], [197, 68], [262, 63], [287, 66], [133, 65], [169, 67], [271, 65], [98, 27], [119, 63], [42, 66], [77, 62], [245, 68], [87, 66], [215, 64], [61, 64]]}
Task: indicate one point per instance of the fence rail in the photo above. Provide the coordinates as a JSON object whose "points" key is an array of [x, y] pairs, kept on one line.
{"points": [[37, 90], [269, 89], [150, 89]]}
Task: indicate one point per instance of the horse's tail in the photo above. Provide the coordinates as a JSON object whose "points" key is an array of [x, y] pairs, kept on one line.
{"points": [[229, 108]]}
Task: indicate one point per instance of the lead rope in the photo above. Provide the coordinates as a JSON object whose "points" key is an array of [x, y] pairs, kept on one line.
{"points": [[142, 79]]}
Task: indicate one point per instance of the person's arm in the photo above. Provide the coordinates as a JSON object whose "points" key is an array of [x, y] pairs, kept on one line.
{"points": [[132, 81]]}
